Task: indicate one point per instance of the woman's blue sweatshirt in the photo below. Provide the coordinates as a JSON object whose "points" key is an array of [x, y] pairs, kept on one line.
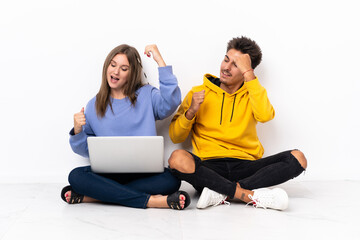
{"points": [[126, 120]]}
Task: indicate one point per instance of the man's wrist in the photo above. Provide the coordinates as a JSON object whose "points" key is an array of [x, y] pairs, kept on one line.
{"points": [[189, 114], [249, 75]]}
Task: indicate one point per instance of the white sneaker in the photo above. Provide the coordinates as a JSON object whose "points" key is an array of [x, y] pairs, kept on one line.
{"points": [[275, 198], [211, 198]]}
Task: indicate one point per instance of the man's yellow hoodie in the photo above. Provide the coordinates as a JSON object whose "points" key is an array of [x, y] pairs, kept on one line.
{"points": [[225, 125]]}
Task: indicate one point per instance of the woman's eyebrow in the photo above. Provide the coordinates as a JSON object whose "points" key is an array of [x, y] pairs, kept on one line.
{"points": [[114, 62]]}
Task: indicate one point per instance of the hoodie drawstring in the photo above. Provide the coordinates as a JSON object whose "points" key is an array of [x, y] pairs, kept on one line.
{"points": [[222, 105], [232, 112]]}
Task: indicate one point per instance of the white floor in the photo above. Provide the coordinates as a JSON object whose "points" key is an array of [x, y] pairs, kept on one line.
{"points": [[318, 209]]}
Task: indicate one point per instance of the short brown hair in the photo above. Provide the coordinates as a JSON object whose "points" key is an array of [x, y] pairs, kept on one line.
{"points": [[132, 84], [246, 45]]}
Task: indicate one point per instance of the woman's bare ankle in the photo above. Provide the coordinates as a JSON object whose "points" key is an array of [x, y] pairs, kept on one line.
{"points": [[157, 201], [90, 200]]}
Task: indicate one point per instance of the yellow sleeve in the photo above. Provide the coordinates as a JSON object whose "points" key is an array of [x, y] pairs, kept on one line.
{"points": [[262, 109], [180, 126]]}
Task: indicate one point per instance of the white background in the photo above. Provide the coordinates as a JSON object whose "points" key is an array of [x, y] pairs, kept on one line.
{"points": [[52, 52]]}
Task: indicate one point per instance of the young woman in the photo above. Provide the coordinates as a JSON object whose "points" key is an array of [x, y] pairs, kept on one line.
{"points": [[126, 107]]}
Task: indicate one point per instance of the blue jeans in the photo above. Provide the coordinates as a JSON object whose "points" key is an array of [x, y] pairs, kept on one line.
{"points": [[132, 190]]}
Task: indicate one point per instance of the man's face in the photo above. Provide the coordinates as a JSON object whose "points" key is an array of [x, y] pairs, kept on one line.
{"points": [[230, 74]]}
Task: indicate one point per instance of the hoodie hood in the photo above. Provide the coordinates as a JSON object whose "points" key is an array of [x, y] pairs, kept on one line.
{"points": [[213, 84]]}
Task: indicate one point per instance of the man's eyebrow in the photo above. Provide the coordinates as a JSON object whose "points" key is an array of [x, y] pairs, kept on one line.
{"points": [[227, 56]]}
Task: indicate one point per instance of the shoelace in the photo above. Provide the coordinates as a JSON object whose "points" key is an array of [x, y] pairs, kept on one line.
{"points": [[256, 203], [222, 201], [226, 202]]}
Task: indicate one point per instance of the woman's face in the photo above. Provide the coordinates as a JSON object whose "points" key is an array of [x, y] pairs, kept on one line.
{"points": [[117, 73]]}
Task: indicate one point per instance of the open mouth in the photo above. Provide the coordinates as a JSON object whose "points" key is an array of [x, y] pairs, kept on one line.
{"points": [[225, 73], [114, 78]]}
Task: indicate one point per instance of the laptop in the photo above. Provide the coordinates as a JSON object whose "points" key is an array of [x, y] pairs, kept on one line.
{"points": [[126, 154]]}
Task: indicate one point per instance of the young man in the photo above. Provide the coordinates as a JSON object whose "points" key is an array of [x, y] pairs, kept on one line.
{"points": [[222, 115]]}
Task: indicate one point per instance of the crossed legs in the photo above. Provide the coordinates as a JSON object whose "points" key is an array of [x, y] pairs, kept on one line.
{"points": [[133, 190], [238, 184]]}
